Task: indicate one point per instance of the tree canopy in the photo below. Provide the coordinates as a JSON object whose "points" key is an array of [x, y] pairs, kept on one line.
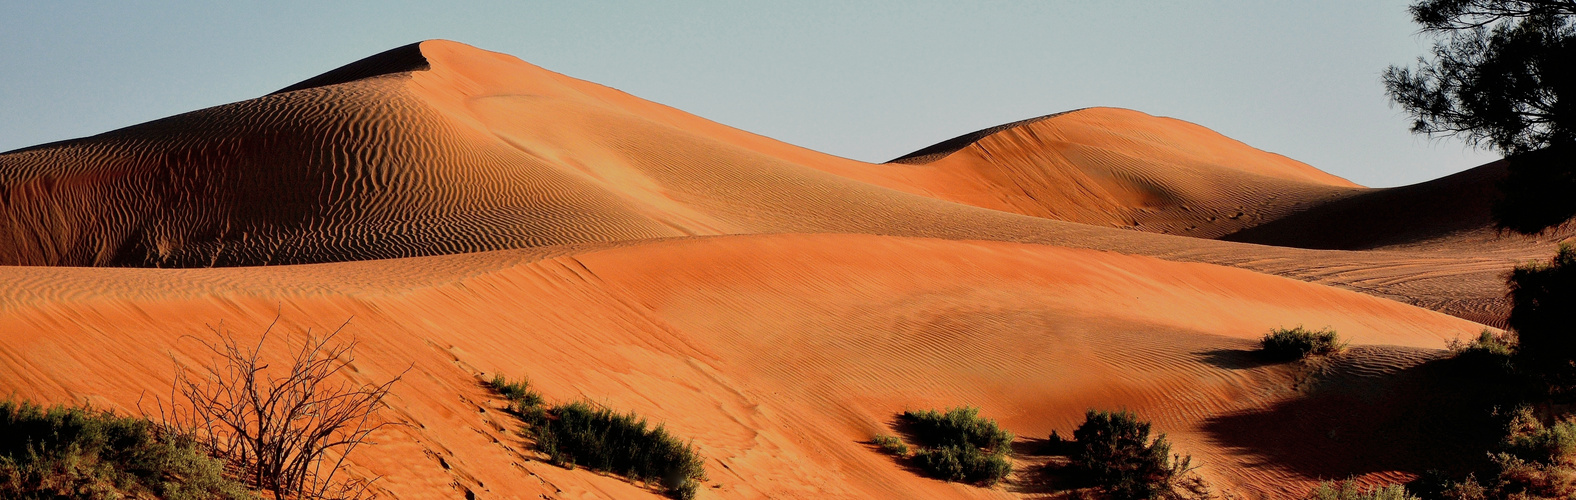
{"points": [[1501, 76]]}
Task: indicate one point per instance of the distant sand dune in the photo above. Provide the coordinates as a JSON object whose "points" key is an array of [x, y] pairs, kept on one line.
{"points": [[1122, 168]]}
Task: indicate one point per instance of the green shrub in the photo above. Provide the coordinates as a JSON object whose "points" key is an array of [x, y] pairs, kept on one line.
{"points": [[959, 445], [890, 445], [964, 464], [600, 439], [957, 427], [61, 452], [1530, 440], [1350, 490], [1487, 345], [579, 434], [1299, 342], [1115, 452]]}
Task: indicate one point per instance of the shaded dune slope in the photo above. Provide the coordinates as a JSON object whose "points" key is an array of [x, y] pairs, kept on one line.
{"points": [[1452, 212], [779, 354], [401, 59]]}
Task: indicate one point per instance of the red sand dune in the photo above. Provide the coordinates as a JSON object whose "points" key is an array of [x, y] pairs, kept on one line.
{"points": [[777, 304], [1120, 168], [777, 354]]}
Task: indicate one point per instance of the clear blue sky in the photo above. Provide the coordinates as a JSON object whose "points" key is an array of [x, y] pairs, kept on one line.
{"points": [[864, 80]]}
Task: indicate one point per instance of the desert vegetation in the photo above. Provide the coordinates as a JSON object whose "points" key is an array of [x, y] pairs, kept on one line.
{"points": [[1487, 349], [1114, 452], [1350, 490], [957, 445], [288, 427], [78, 452], [891, 445], [1299, 342], [584, 434]]}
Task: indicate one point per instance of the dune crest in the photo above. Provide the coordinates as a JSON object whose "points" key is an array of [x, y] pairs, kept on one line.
{"points": [[1122, 168]]}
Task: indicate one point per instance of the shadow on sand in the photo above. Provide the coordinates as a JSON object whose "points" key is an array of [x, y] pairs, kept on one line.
{"points": [[1375, 409]]}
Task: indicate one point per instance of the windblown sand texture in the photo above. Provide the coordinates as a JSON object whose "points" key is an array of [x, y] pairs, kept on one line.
{"points": [[777, 304]]}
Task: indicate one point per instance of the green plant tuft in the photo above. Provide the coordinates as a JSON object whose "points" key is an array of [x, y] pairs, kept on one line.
{"points": [[1299, 342], [582, 434], [890, 445]]}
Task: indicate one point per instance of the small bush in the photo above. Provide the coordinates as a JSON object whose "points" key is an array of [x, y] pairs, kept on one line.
{"points": [[1299, 342], [580, 434], [1519, 478], [1487, 345], [964, 464], [1516, 479], [1350, 490], [959, 445], [288, 422], [957, 427], [61, 452], [1115, 452], [1532, 441], [890, 445]]}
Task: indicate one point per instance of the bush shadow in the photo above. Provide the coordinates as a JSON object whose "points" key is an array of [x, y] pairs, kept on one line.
{"points": [[1238, 359], [1376, 409]]}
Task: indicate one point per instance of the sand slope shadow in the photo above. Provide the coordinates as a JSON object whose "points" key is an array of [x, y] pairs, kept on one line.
{"points": [[1373, 409]]}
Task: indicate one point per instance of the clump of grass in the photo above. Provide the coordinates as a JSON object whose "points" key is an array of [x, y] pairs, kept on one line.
{"points": [[890, 445], [1115, 452], [74, 452], [519, 393], [959, 445], [600, 439], [580, 434], [1350, 490], [1299, 342]]}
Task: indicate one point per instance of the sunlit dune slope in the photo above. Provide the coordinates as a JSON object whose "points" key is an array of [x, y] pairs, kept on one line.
{"points": [[779, 354], [1122, 168], [439, 148]]}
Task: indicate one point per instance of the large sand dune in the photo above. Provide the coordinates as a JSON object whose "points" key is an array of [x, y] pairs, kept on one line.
{"points": [[778, 304], [778, 354]]}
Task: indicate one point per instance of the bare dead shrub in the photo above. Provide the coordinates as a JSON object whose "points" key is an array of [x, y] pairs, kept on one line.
{"points": [[289, 427]]}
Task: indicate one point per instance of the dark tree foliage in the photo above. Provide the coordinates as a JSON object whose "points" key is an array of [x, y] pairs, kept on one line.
{"points": [[1501, 76], [1542, 297]]}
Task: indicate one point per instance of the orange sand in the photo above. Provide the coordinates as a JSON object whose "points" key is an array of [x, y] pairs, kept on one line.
{"points": [[777, 304]]}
